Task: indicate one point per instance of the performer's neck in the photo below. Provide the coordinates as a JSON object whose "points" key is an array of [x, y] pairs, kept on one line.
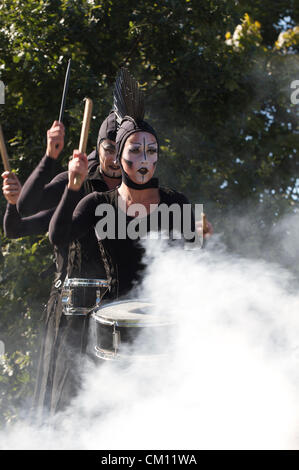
{"points": [[136, 196], [111, 182]]}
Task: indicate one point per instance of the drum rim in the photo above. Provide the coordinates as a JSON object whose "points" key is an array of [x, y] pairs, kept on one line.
{"points": [[128, 323], [109, 355], [125, 301], [85, 282]]}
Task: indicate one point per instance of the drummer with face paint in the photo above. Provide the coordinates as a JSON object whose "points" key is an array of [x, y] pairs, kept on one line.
{"points": [[43, 190], [138, 151], [65, 338]]}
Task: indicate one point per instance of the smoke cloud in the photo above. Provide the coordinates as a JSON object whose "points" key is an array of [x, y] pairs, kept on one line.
{"points": [[229, 379]]}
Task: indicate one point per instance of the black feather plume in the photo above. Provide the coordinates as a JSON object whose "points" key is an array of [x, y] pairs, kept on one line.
{"points": [[128, 99]]}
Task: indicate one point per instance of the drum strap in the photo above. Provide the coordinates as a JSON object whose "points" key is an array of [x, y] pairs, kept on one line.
{"points": [[74, 259], [75, 249], [111, 270]]}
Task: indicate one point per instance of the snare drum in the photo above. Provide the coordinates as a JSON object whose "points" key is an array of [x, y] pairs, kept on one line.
{"points": [[80, 296], [130, 328]]}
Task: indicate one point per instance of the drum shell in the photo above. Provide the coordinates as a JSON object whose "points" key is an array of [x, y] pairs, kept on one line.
{"points": [[120, 339], [128, 337], [80, 296]]}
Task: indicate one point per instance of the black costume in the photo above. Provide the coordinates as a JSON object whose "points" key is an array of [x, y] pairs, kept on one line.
{"points": [[37, 195], [64, 337], [123, 257], [16, 227]]}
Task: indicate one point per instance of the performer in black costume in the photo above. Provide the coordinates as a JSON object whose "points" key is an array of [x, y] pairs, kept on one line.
{"points": [[16, 226], [137, 146], [38, 194], [65, 337]]}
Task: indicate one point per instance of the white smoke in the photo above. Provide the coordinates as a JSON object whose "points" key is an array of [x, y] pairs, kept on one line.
{"points": [[230, 382]]}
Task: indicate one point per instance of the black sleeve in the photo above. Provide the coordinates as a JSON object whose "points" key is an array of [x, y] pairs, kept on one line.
{"points": [[15, 226], [36, 194], [68, 223]]}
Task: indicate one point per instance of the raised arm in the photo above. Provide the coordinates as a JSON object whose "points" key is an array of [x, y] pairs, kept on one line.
{"points": [[11, 187], [36, 194], [203, 227], [16, 226], [13, 224], [67, 222]]}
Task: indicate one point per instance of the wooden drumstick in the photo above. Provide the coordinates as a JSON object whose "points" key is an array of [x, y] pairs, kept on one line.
{"points": [[84, 131], [4, 151], [205, 227]]}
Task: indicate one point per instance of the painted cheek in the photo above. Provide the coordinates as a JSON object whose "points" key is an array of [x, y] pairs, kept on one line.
{"points": [[132, 163], [145, 178], [128, 163]]}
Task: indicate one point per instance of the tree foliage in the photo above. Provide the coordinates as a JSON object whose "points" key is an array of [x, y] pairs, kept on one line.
{"points": [[217, 77]]}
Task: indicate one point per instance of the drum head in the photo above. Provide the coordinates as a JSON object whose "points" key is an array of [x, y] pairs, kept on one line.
{"points": [[129, 313]]}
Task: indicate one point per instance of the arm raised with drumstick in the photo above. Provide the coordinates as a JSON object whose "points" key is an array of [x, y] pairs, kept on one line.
{"points": [[78, 166], [37, 192], [84, 137], [3, 151], [78, 170], [11, 187], [55, 140], [14, 225], [11, 184]]}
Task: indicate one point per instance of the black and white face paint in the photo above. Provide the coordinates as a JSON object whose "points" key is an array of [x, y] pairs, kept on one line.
{"points": [[139, 157], [108, 163]]}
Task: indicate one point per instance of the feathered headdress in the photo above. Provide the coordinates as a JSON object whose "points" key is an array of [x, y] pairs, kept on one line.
{"points": [[129, 110], [128, 98]]}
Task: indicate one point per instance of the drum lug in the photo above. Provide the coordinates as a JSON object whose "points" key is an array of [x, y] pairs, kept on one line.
{"points": [[115, 339], [66, 297], [99, 296]]}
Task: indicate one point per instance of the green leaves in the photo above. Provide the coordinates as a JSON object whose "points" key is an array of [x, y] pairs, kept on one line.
{"points": [[22, 297]]}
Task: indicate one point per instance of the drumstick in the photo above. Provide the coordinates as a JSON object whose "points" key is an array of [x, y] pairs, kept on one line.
{"points": [[4, 151], [205, 227], [64, 93], [85, 125], [84, 131], [65, 88]]}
